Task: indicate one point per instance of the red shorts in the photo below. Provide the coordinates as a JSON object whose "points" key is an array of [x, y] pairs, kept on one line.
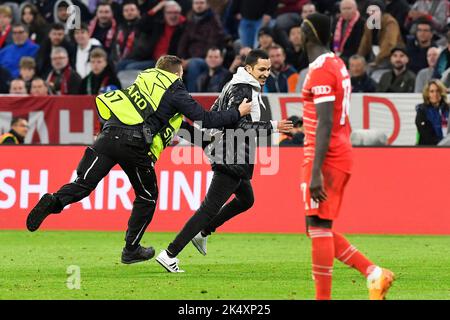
{"points": [[334, 181]]}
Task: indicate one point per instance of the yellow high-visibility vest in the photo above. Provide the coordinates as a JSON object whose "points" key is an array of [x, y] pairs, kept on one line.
{"points": [[140, 100], [8, 135]]}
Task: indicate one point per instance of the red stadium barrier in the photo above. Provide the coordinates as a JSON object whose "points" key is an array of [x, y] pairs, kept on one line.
{"points": [[395, 191]]}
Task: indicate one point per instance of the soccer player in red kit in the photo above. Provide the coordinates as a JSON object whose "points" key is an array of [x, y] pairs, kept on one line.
{"points": [[328, 162]]}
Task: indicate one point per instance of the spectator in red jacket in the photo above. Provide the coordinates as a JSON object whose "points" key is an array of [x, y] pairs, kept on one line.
{"points": [[203, 30]]}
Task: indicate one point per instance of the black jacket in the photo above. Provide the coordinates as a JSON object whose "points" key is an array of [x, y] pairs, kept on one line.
{"points": [[351, 46], [227, 156], [427, 134], [178, 100], [149, 31]]}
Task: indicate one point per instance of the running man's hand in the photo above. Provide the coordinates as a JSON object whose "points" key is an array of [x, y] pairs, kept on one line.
{"points": [[245, 107], [316, 188], [285, 126]]}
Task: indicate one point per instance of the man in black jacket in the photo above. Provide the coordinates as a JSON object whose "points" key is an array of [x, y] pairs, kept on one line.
{"points": [[232, 162], [138, 118]]}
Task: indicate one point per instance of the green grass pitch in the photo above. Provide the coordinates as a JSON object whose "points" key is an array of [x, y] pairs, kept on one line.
{"points": [[238, 266]]}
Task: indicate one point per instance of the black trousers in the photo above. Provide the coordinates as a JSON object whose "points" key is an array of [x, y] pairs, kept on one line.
{"points": [[128, 149], [212, 212]]}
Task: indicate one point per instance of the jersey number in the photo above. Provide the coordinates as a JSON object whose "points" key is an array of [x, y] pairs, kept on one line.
{"points": [[347, 86]]}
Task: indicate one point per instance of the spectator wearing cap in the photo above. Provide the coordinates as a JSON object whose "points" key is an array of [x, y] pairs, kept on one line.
{"points": [[5, 26], [426, 74], [443, 62], [203, 31], [22, 47], [62, 79], [56, 38], [349, 30], [432, 114], [265, 38], [283, 77], [85, 45], [155, 37], [295, 136], [27, 71], [376, 44], [361, 82], [217, 75], [252, 15], [417, 48], [399, 79], [102, 78]]}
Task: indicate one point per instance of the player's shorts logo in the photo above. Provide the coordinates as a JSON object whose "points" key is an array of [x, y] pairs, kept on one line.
{"points": [[321, 90]]}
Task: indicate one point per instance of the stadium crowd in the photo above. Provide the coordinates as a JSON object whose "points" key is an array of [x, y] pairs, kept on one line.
{"points": [[47, 48]]}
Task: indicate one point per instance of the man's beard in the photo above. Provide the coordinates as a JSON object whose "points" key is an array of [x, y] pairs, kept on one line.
{"points": [[399, 67]]}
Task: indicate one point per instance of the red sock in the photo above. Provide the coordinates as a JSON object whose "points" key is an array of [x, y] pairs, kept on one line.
{"points": [[322, 260], [348, 254]]}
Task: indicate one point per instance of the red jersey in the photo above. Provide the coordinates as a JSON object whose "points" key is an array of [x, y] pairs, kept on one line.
{"points": [[328, 80]]}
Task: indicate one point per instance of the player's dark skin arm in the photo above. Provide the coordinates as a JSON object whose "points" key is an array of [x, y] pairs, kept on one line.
{"points": [[323, 133]]}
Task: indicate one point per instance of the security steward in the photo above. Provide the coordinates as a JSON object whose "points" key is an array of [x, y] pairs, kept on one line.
{"points": [[19, 129], [137, 119]]}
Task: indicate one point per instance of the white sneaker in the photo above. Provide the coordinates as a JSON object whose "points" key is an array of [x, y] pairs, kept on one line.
{"points": [[170, 264], [199, 242]]}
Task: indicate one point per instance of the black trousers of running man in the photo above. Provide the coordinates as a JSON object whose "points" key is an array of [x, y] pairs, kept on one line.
{"points": [[127, 148], [213, 212]]}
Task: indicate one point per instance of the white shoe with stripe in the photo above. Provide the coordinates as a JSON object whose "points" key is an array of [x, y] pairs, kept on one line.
{"points": [[170, 264], [199, 242]]}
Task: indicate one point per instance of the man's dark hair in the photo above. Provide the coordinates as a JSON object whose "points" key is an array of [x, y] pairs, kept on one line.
{"points": [[252, 58], [169, 63], [319, 27], [21, 25], [276, 47], [57, 26], [83, 26], [127, 2], [104, 3], [214, 48], [16, 120], [424, 21]]}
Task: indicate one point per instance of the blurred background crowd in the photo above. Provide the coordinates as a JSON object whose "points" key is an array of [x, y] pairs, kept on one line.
{"points": [[49, 48]]}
